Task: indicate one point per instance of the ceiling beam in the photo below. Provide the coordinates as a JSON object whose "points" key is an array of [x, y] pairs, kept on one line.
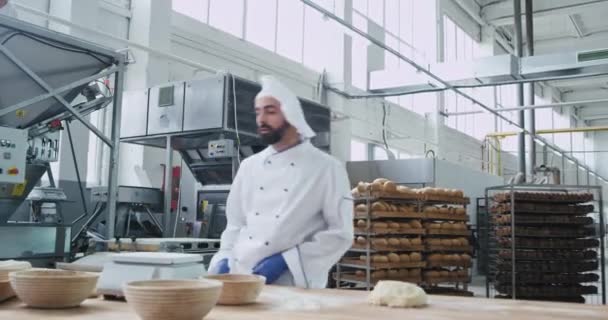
{"points": [[501, 14], [576, 26], [590, 41]]}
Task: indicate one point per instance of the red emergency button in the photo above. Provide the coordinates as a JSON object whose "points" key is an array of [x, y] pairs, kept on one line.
{"points": [[12, 171]]}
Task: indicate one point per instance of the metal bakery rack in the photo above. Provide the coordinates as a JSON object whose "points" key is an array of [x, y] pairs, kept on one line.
{"points": [[397, 234], [559, 251]]}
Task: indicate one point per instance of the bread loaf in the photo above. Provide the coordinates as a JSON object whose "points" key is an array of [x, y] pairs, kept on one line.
{"points": [[393, 273], [377, 186], [456, 242], [361, 208], [434, 242], [415, 257], [380, 242], [434, 258], [465, 258], [405, 242], [404, 226], [461, 211], [404, 273], [379, 225], [444, 210], [361, 240], [431, 274], [447, 226], [404, 257], [380, 180], [393, 242], [416, 241], [393, 225], [415, 224], [393, 257], [361, 223], [414, 272], [389, 187], [380, 258], [379, 206], [363, 187], [444, 274], [464, 241], [380, 274], [446, 242]]}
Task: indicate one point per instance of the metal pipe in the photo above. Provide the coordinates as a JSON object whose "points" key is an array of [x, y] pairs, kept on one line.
{"points": [[467, 86], [532, 107], [153, 218], [521, 136], [421, 69], [168, 190], [57, 97], [548, 131], [82, 197], [531, 97], [119, 79]]}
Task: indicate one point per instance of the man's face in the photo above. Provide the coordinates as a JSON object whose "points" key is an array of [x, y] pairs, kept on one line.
{"points": [[270, 120]]}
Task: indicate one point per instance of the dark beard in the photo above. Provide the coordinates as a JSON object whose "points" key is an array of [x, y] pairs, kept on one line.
{"points": [[275, 135]]}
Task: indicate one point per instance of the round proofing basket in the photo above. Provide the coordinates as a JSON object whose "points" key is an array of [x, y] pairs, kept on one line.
{"points": [[52, 289], [172, 299], [239, 289]]}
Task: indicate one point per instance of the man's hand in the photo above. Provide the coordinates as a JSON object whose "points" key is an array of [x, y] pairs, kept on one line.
{"points": [[222, 266], [271, 268]]}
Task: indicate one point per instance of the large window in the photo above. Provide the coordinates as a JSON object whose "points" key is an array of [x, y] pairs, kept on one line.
{"points": [[358, 151], [261, 22]]}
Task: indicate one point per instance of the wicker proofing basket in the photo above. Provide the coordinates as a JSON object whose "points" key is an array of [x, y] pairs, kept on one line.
{"points": [[172, 299], [52, 289], [239, 289]]}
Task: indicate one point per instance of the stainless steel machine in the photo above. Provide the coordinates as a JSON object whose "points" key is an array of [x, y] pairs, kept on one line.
{"points": [[211, 123], [48, 80]]}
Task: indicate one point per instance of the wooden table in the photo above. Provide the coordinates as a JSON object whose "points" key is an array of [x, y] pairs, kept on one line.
{"points": [[294, 304]]}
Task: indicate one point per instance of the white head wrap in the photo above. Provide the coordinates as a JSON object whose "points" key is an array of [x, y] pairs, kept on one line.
{"points": [[290, 105]]}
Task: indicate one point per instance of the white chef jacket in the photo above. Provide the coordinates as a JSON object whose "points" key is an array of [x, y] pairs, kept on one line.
{"points": [[296, 202]]}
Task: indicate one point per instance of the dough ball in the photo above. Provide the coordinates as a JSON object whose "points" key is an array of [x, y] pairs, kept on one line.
{"points": [[397, 294], [393, 242], [414, 272], [392, 273], [361, 240], [461, 211], [464, 241], [389, 187], [415, 224], [404, 257], [405, 242], [380, 274], [416, 241], [415, 257], [465, 258], [361, 223], [431, 209], [404, 226], [363, 258], [393, 257], [447, 226], [446, 242], [380, 258], [456, 242], [404, 273], [444, 210]]}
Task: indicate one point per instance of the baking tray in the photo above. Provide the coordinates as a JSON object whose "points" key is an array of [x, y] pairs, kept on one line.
{"points": [[430, 264], [351, 277], [438, 280], [543, 278], [360, 215], [548, 291], [435, 248], [360, 264], [388, 231], [377, 248], [442, 232], [446, 217]]}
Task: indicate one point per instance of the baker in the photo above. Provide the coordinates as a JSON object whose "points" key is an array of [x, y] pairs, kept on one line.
{"points": [[289, 212]]}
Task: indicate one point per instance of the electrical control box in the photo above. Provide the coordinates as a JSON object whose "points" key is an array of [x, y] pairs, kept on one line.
{"points": [[221, 148], [13, 152]]}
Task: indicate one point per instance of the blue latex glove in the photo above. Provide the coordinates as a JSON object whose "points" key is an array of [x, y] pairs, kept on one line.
{"points": [[271, 268], [222, 266]]}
